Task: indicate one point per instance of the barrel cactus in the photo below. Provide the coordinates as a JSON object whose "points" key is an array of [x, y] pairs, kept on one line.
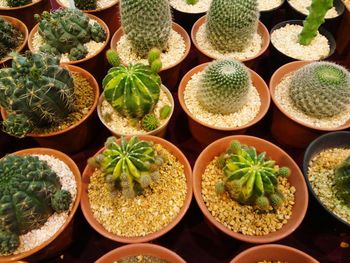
{"points": [[16, 3], [30, 193], [10, 38], [86, 4], [224, 86], [342, 181], [146, 23], [35, 91], [321, 89], [231, 25]]}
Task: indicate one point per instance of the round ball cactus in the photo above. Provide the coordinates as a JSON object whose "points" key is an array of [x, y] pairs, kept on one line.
{"points": [[86, 4], [342, 181], [10, 37], [321, 89]]}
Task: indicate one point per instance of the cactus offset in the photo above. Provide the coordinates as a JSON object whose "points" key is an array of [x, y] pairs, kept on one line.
{"points": [[10, 38], [150, 122], [16, 3], [86, 4], [342, 181], [191, 2]]}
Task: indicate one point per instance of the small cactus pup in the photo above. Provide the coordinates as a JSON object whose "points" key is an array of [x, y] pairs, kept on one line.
{"points": [[10, 38], [30, 193], [251, 178], [342, 181], [130, 165], [17, 3], [191, 2], [86, 4]]}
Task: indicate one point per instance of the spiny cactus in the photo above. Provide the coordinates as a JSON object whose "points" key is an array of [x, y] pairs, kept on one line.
{"points": [[317, 12], [10, 38], [28, 191], [224, 86], [16, 3], [150, 122], [231, 25], [342, 181], [146, 23], [321, 89], [251, 178], [86, 4], [131, 165], [66, 31], [35, 91]]}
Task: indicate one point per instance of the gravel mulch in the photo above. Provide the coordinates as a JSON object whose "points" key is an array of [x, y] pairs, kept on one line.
{"points": [[100, 3], [302, 5], [265, 5], [200, 7], [141, 259]]}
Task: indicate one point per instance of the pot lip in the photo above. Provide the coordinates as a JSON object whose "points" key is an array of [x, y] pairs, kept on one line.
{"points": [[340, 11], [99, 21], [94, 86], [21, 7], [273, 9], [91, 11], [261, 27], [307, 154], [176, 27], [247, 238], [21, 27], [170, 97], [273, 79], [263, 107], [85, 204], [143, 248], [187, 13], [77, 175]]}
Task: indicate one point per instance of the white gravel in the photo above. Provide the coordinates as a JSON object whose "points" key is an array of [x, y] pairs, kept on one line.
{"points": [[233, 120], [265, 5], [302, 5], [200, 7], [250, 51], [285, 39], [3, 3], [100, 3], [282, 96]]}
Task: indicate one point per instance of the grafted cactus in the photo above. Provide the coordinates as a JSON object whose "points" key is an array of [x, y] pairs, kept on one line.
{"points": [[86, 4], [10, 38], [16, 3], [342, 181]]}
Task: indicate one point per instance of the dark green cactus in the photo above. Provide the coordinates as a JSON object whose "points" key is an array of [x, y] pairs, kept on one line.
{"points": [[342, 181], [28, 188], [16, 3], [86, 4], [150, 122], [10, 38]]}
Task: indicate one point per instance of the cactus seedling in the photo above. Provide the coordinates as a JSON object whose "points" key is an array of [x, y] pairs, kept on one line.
{"points": [[86, 4], [16, 3], [342, 181], [164, 112], [191, 2], [150, 122]]}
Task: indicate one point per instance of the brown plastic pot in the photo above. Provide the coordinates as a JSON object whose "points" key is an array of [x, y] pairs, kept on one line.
{"points": [[284, 127], [79, 134], [85, 204], [273, 252], [169, 75], [205, 133], [204, 56], [62, 236], [141, 249], [296, 179]]}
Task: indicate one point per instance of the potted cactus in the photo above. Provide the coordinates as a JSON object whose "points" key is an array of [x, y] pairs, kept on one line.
{"points": [[52, 103], [147, 24], [142, 179], [221, 98]]}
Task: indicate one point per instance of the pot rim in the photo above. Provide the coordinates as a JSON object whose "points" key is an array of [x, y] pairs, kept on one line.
{"points": [[92, 11], [273, 9], [21, 7], [340, 11]]}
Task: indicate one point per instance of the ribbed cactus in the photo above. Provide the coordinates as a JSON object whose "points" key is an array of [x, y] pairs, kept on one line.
{"points": [[231, 24], [30, 192], [16, 3], [35, 91], [86, 4], [321, 89], [10, 38], [131, 165], [317, 12], [146, 23], [342, 181], [224, 86]]}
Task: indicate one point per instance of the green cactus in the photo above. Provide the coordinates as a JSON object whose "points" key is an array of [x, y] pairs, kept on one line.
{"points": [[150, 122], [146, 23], [16, 3], [131, 165], [251, 179], [10, 38], [27, 189], [342, 181], [231, 25], [86, 4], [37, 91], [317, 13], [321, 89], [164, 112], [191, 2], [224, 86]]}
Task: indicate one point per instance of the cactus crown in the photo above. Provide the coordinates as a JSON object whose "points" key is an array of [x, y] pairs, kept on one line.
{"points": [[224, 86], [10, 38], [86, 4], [342, 181], [321, 89], [16, 3], [231, 25]]}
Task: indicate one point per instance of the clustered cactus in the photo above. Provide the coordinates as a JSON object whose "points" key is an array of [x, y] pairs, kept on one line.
{"points": [[231, 25], [16, 3], [131, 165], [251, 178], [66, 31], [224, 86], [30, 193], [86, 4], [10, 38], [35, 91], [321, 89], [342, 181]]}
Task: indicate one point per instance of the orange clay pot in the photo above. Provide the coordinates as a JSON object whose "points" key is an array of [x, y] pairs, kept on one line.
{"points": [[79, 134], [296, 179], [205, 133], [284, 127], [85, 204], [64, 235]]}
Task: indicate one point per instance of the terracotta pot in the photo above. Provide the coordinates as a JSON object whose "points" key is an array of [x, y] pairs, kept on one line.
{"points": [[50, 244], [267, 17], [85, 204], [5, 62], [273, 252], [169, 75], [204, 56], [160, 131], [282, 158], [26, 13], [141, 249], [89, 63], [284, 127], [76, 136], [205, 133], [186, 20]]}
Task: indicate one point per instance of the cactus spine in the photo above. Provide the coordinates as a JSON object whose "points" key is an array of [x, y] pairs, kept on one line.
{"points": [[10, 38], [86, 4]]}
